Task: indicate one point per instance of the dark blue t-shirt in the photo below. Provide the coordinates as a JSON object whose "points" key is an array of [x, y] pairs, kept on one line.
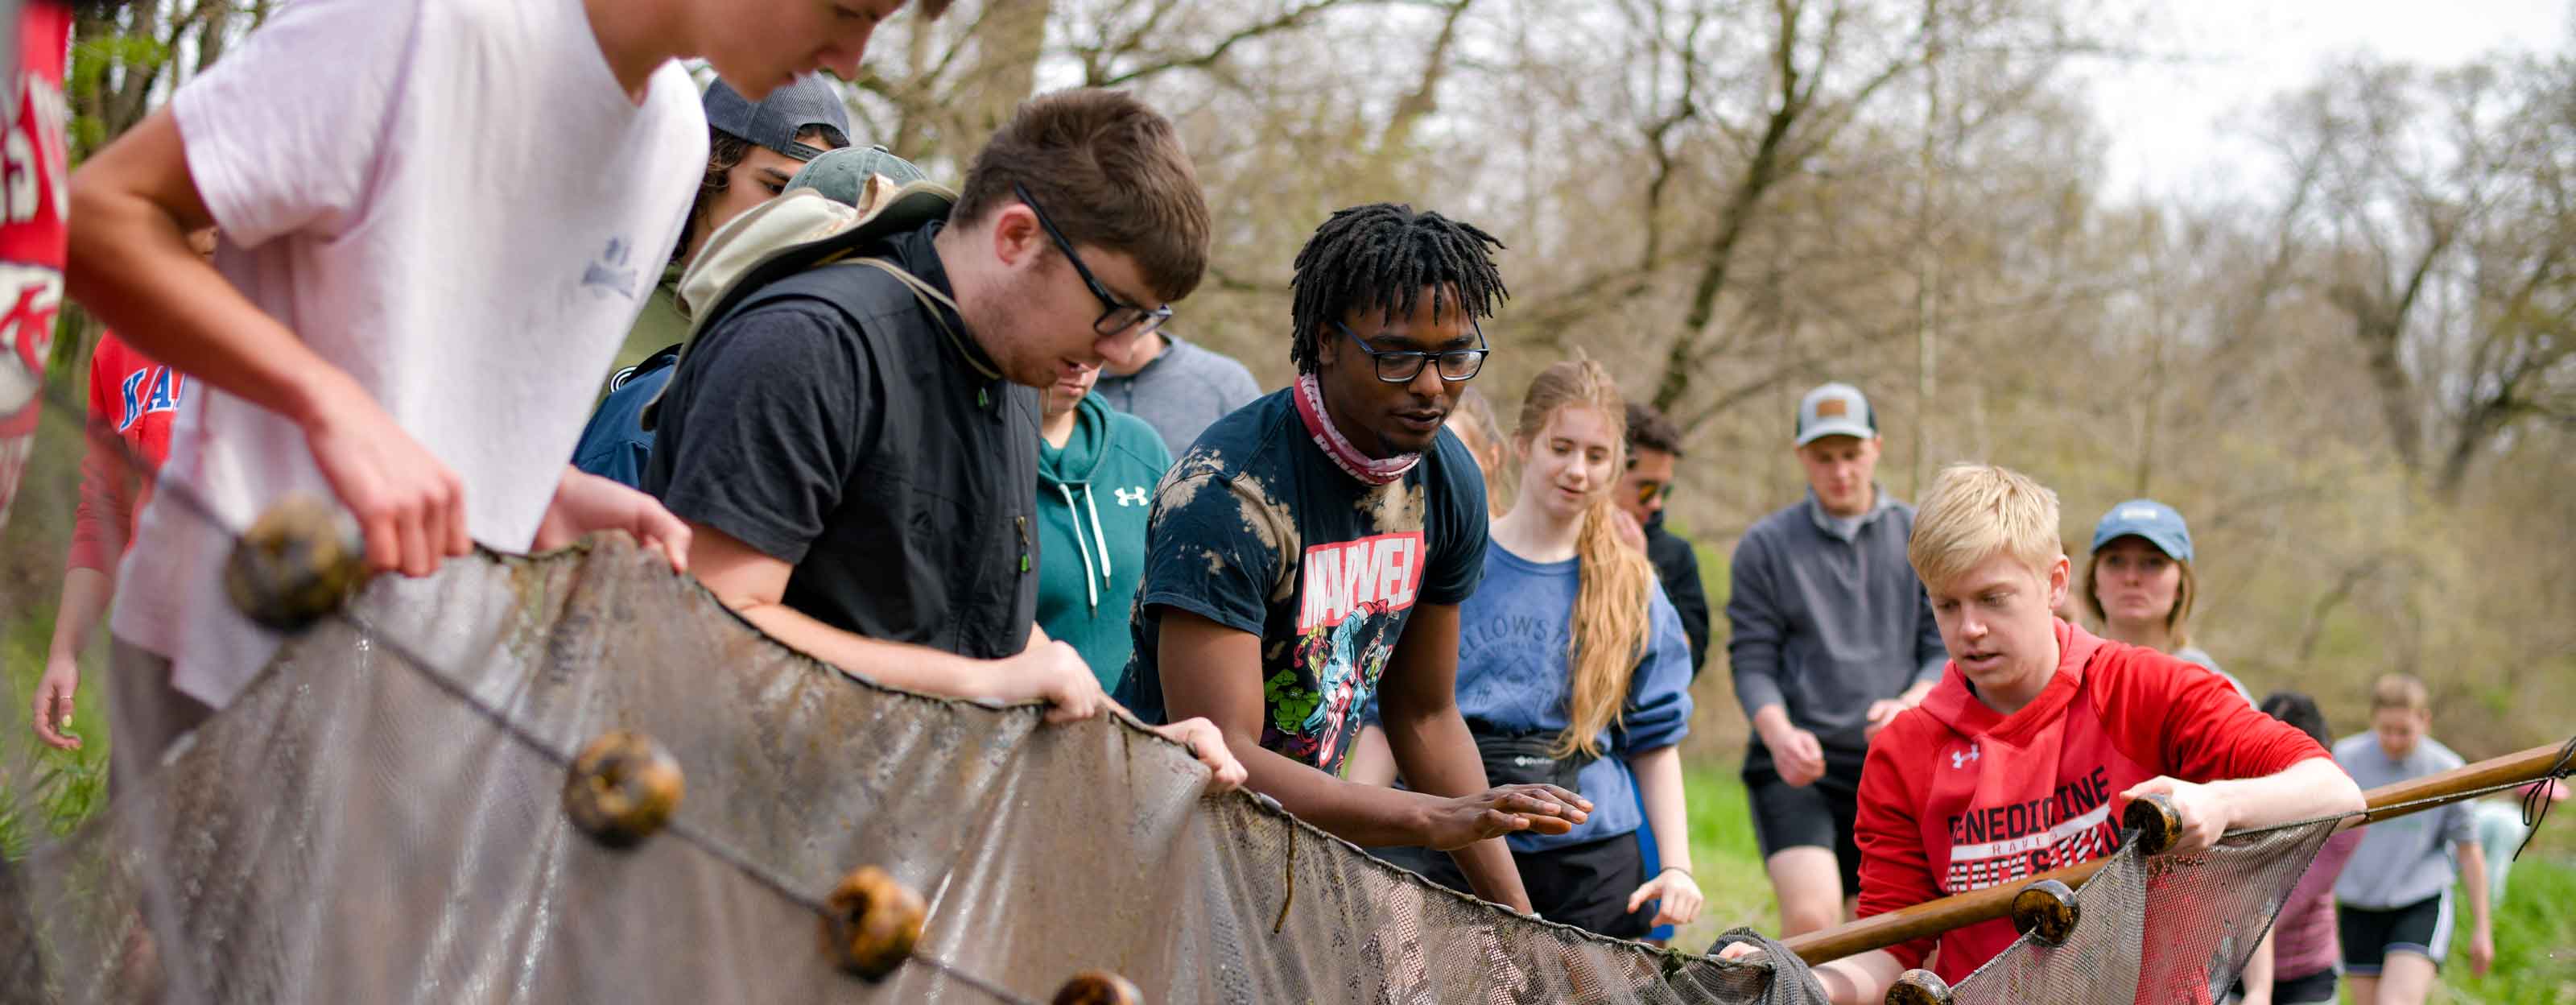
{"points": [[1257, 530]]}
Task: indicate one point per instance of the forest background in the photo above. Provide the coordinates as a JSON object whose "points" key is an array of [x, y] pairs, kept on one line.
{"points": [[2352, 367]]}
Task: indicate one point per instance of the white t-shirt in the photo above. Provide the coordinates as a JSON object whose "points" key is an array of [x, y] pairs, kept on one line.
{"points": [[455, 202]]}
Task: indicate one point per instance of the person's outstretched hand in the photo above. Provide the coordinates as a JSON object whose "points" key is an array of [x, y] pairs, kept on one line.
{"points": [[1508, 809], [585, 503]]}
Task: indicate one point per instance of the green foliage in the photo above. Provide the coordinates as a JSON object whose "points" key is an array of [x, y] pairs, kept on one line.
{"points": [[2535, 932]]}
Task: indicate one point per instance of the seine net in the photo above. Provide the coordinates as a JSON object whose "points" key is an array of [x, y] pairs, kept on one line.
{"points": [[2158, 929], [378, 819]]}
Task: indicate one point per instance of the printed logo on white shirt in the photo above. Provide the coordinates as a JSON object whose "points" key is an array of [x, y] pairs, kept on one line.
{"points": [[611, 271]]}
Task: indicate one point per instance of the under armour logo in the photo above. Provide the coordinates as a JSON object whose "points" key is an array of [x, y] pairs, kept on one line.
{"points": [[1960, 759], [1125, 499]]}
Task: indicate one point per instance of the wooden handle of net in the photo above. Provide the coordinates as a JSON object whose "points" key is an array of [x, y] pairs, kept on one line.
{"points": [[1933, 917], [1918, 987]]}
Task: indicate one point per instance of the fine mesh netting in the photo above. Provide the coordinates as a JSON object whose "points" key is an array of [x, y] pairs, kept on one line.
{"points": [[378, 819], [2158, 929]]}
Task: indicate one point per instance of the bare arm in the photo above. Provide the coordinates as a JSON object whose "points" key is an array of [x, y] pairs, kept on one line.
{"points": [[1418, 703], [130, 263], [2473, 884], [1224, 685], [1372, 761], [1659, 787], [1860, 980], [2257, 977], [2311, 788], [751, 584]]}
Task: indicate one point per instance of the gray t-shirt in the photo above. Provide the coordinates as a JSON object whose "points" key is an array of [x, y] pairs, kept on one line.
{"points": [[2406, 859], [1181, 392]]}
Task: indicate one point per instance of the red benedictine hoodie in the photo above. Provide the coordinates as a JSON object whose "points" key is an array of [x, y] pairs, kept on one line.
{"points": [[1955, 797]]}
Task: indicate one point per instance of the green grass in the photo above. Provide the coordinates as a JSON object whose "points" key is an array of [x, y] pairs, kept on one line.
{"points": [[2535, 932], [1724, 858]]}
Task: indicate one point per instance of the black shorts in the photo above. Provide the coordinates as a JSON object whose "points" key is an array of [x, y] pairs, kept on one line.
{"points": [[1821, 814], [1585, 885], [2422, 928], [2313, 989]]}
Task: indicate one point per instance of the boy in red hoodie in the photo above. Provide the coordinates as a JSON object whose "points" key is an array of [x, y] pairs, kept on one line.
{"points": [[2038, 734]]}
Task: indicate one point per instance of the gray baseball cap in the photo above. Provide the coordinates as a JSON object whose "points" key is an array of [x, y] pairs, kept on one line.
{"points": [[843, 174], [775, 121], [1835, 410]]}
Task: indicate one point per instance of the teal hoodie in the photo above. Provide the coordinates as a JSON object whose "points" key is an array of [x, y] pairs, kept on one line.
{"points": [[1093, 499]]}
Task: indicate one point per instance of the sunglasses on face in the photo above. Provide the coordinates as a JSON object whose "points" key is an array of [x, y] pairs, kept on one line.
{"points": [[1648, 492], [1117, 317], [1401, 366]]}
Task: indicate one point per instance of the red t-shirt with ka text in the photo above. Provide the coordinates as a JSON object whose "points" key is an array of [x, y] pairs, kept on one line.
{"points": [[1956, 797], [132, 401]]}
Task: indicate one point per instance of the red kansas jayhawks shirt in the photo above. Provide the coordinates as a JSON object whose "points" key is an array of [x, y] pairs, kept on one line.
{"points": [[1955, 797]]}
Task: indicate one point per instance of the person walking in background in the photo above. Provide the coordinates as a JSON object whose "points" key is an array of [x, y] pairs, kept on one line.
{"points": [[1178, 388], [1572, 671], [1831, 638], [2139, 585], [1097, 468], [2297, 962], [1654, 454], [2393, 903]]}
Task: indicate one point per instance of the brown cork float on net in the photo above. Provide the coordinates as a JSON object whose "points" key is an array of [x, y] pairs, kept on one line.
{"points": [[1098, 987], [293, 567], [870, 922], [1919, 987], [2046, 912], [622, 788]]}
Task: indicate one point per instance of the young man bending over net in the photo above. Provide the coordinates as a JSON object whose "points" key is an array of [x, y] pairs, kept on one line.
{"points": [[2038, 734], [1325, 535]]}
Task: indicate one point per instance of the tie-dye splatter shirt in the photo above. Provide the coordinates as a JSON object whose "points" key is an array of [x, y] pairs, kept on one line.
{"points": [[1256, 530]]}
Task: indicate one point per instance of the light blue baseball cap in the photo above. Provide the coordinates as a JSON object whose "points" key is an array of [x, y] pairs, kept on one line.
{"points": [[2149, 519]]}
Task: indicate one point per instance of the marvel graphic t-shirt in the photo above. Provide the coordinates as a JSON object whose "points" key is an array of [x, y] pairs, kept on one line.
{"points": [[1256, 529]]}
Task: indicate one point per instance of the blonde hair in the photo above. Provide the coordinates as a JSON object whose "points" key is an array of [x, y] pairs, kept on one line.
{"points": [[1473, 422], [1616, 583], [1976, 511], [2177, 618], [2400, 691]]}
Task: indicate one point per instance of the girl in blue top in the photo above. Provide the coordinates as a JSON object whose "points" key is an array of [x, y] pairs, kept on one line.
{"points": [[1572, 668]]}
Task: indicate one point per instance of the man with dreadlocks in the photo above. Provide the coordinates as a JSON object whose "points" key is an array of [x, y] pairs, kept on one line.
{"points": [[1313, 547]]}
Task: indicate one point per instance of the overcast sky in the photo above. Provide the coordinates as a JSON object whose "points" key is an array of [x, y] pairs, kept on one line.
{"points": [[2178, 127]]}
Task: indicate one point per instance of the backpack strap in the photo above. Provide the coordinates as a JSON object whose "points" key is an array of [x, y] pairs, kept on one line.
{"points": [[931, 301]]}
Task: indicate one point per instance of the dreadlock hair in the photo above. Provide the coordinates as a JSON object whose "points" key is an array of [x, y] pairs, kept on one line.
{"points": [[1382, 255]]}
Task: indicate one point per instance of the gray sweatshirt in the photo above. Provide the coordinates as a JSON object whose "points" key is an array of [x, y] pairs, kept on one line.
{"points": [[1826, 620], [1181, 392]]}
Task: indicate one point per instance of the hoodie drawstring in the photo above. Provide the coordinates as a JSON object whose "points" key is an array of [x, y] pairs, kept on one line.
{"points": [[1091, 578]]}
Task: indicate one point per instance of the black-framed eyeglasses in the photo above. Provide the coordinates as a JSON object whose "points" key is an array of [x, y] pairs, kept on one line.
{"points": [[1117, 317], [1400, 366]]}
